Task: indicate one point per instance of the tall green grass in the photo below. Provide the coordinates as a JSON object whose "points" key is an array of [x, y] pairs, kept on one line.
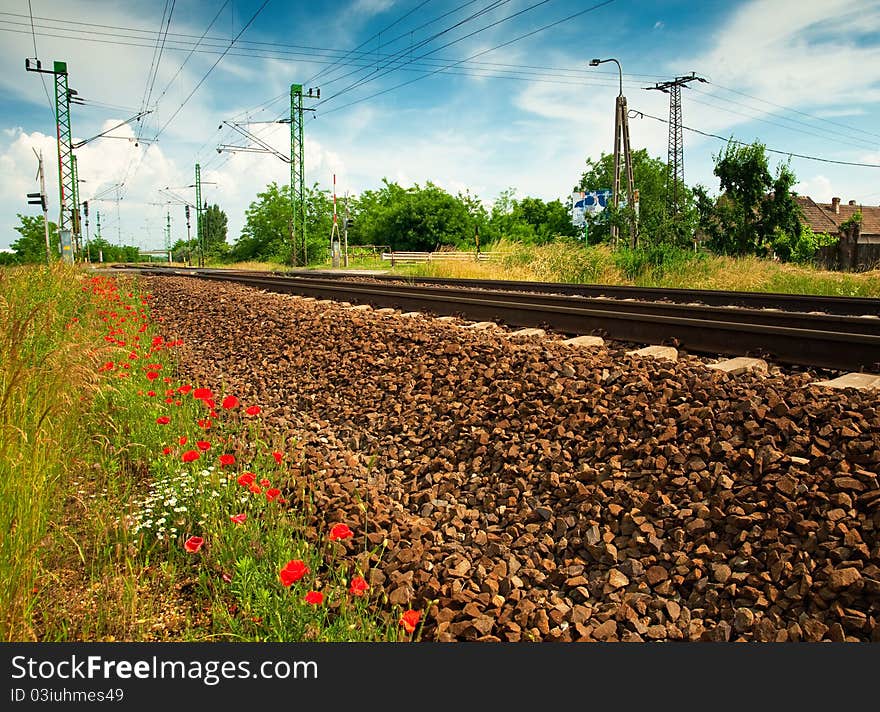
{"points": [[47, 380]]}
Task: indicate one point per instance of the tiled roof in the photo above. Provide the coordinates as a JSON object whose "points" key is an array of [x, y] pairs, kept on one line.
{"points": [[822, 218]]}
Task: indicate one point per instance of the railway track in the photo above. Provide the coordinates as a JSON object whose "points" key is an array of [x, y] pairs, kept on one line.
{"points": [[802, 337]]}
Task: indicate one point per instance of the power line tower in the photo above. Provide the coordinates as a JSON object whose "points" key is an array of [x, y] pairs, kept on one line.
{"points": [[67, 186], [297, 177], [675, 148], [297, 172]]}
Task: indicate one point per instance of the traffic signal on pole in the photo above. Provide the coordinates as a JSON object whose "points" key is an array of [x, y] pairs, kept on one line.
{"points": [[37, 199]]}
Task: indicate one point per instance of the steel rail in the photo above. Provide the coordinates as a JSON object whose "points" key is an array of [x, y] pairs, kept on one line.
{"points": [[844, 343], [852, 306]]}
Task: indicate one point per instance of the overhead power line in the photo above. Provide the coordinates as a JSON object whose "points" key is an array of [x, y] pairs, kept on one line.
{"points": [[36, 56], [642, 114]]}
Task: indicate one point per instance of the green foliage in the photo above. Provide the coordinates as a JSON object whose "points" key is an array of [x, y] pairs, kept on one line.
{"points": [[98, 248], [803, 248], [755, 210], [530, 220], [268, 226], [214, 224], [418, 218], [656, 259], [30, 248], [650, 178]]}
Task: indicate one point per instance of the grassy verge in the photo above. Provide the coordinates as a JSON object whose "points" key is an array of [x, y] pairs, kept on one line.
{"points": [[141, 507], [568, 261]]}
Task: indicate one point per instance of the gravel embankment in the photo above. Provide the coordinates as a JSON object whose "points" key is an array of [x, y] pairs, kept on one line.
{"points": [[542, 492]]}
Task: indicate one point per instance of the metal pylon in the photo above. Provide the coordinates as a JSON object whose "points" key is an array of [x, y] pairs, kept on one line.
{"points": [[299, 253], [66, 179], [675, 143]]}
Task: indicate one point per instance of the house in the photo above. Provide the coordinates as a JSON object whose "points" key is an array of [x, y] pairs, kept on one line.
{"points": [[859, 248]]}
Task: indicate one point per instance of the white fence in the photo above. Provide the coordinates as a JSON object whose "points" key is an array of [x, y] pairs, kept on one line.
{"points": [[411, 257]]}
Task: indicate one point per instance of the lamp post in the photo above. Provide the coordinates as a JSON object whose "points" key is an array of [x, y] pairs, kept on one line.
{"points": [[621, 145]]}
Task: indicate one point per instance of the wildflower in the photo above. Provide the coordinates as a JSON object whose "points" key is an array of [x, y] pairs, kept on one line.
{"points": [[229, 402], [272, 494], [410, 620], [151, 394], [107, 366], [193, 544], [316, 598], [255, 489], [340, 531], [182, 440], [246, 479], [191, 456], [202, 445], [185, 389], [277, 455], [358, 586], [166, 450], [238, 518], [227, 459], [163, 420], [292, 572], [264, 482], [253, 410], [152, 375], [202, 393], [205, 424]]}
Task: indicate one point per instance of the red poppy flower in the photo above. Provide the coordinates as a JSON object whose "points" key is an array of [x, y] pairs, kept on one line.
{"points": [[169, 399], [166, 450], [229, 402], [152, 375], [107, 366], [193, 544], [277, 456], [253, 410], [205, 424], [358, 586], [185, 389], [157, 340], [340, 531], [191, 456], [238, 518], [154, 366], [255, 489], [167, 379], [264, 482], [227, 459], [246, 479], [316, 598], [292, 572], [272, 494], [164, 420], [182, 440], [410, 620], [209, 403], [151, 393], [200, 393], [202, 445]]}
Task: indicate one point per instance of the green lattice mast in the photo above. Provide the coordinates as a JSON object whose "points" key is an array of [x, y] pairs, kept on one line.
{"points": [[297, 176]]}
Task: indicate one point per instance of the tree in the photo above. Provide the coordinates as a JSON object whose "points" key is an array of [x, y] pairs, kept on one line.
{"points": [[214, 223], [30, 248], [530, 220], [416, 218], [268, 226], [650, 178], [755, 209]]}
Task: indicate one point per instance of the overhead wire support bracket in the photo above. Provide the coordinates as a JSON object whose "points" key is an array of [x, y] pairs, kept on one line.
{"points": [[136, 117]]}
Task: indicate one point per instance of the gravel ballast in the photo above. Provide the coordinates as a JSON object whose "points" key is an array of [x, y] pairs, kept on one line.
{"points": [[538, 491]]}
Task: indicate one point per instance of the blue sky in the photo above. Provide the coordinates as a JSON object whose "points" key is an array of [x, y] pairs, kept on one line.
{"points": [[505, 104]]}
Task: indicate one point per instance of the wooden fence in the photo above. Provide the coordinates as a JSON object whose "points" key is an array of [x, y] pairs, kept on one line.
{"points": [[413, 257]]}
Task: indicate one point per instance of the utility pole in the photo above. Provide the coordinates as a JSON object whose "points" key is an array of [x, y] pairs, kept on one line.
{"points": [[168, 234], [345, 232], [85, 205], [622, 153], [76, 220], [199, 226], [98, 234], [675, 149], [40, 199], [334, 232], [188, 238]]}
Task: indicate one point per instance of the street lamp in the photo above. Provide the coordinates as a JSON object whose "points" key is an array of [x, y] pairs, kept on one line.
{"points": [[621, 136], [597, 62]]}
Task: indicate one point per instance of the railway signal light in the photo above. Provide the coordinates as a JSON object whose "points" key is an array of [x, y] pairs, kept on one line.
{"points": [[37, 199]]}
